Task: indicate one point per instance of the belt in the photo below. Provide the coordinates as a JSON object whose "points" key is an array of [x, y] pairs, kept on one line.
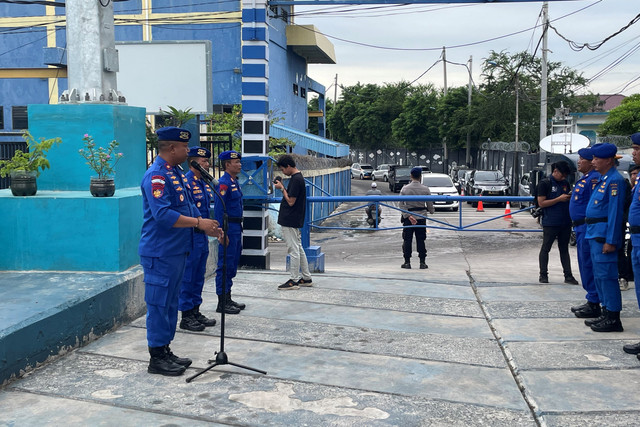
{"points": [[634, 229], [198, 231], [600, 239], [596, 220], [579, 222], [416, 209], [235, 219]]}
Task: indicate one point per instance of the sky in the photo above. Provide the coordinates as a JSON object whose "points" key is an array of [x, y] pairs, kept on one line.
{"points": [[408, 40]]}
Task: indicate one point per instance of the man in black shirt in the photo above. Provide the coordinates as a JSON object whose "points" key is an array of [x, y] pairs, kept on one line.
{"points": [[554, 194], [291, 219]]}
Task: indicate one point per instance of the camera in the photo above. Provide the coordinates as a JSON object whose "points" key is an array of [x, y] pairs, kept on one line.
{"points": [[536, 212]]}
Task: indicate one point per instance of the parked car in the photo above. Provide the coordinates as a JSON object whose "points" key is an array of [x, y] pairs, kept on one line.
{"points": [[381, 172], [398, 177], [441, 184], [458, 178], [361, 170], [524, 188], [487, 183]]}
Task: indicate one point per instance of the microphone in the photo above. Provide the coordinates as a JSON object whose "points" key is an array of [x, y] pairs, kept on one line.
{"points": [[206, 175]]}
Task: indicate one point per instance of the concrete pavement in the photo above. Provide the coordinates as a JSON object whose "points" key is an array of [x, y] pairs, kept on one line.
{"points": [[473, 340]]}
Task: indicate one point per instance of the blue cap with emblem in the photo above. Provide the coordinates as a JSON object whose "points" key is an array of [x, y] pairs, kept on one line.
{"points": [[604, 151], [635, 138], [416, 172], [229, 155], [586, 153], [172, 133], [199, 152]]}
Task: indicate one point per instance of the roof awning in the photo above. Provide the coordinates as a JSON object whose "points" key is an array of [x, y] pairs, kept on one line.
{"points": [[310, 141], [306, 41]]}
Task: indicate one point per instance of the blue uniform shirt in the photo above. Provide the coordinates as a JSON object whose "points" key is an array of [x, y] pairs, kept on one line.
{"points": [[201, 193], [634, 215], [231, 193], [164, 199], [581, 194], [607, 201]]}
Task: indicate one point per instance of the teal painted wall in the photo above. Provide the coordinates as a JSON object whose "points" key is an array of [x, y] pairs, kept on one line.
{"points": [[70, 231], [104, 122]]}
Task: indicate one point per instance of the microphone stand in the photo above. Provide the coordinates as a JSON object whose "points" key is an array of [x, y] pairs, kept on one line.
{"points": [[221, 356]]}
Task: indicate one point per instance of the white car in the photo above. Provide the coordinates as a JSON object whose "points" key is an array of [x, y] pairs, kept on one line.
{"points": [[441, 184], [381, 172]]}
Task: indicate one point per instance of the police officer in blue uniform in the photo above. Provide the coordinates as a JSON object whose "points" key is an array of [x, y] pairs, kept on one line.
{"points": [[193, 281], [577, 208], [553, 196], [229, 189], [604, 224], [634, 230], [170, 218]]}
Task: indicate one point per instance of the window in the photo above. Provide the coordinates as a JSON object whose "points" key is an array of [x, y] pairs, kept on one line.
{"points": [[19, 118], [1, 117], [303, 93], [295, 89], [222, 108]]}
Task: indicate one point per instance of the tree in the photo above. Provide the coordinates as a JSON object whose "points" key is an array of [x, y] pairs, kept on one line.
{"points": [[624, 119], [417, 125], [228, 123], [314, 106]]}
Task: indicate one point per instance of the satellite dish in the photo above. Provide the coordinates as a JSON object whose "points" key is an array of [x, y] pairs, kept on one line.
{"points": [[564, 143]]}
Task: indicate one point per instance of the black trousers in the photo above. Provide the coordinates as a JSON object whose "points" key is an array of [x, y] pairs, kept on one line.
{"points": [[407, 237], [549, 235]]}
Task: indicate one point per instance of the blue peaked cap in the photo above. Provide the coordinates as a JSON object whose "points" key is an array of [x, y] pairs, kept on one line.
{"points": [[172, 133], [604, 151], [199, 152]]}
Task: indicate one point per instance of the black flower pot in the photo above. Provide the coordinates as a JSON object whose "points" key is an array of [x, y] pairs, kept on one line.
{"points": [[23, 183], [102, 187]]}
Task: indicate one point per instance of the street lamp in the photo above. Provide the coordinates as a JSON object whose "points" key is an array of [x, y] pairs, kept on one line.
{"points": [[517, 136]]}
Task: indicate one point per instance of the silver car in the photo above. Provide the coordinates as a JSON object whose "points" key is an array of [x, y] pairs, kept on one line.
{"points": [[381, 172], [441, 184]]}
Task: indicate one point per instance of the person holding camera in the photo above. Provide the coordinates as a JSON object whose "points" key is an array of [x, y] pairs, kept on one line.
{"points": [[577, 209], [553, 197], [291, 219]]}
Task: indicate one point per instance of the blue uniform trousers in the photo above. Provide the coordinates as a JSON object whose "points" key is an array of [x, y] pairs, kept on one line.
{"points": [[585, 264], [234, 250], [605, 272], [635, 264], [162, 279], [194, 272]]}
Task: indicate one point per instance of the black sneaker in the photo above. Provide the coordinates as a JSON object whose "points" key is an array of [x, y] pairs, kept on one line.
{"points": [[570, 280], [288, 285], [406, 265], [543, 278], [305, 283]]}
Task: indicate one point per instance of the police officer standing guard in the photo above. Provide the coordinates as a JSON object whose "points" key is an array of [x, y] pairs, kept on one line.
{"points": [[577, 208], [229, 189], [193, 281], [634, 230], [415, 188], [170, 218], [604, 224]]}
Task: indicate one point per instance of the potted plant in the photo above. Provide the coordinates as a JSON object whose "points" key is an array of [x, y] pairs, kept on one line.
{"points": [[24, 168], [103, 161]]}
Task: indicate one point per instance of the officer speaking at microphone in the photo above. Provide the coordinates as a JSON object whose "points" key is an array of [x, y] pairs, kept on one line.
{"points": [[170, 218], [229, 189], [604, 233], [577, 208], [193, 280]]}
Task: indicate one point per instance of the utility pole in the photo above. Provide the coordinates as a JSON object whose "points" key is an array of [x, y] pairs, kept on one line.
{"points": [[543, 74], [335, 91], [467, 158], [444, 139]]}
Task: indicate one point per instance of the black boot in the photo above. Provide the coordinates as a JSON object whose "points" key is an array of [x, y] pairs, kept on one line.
{"points": [[603, 315], [592, 310], [407, 263], [182, 361], [226, 305], [611, 324], [204, 320], [423, 264], [189, 322], [162, 364], [579, 307], [237, 305]]}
